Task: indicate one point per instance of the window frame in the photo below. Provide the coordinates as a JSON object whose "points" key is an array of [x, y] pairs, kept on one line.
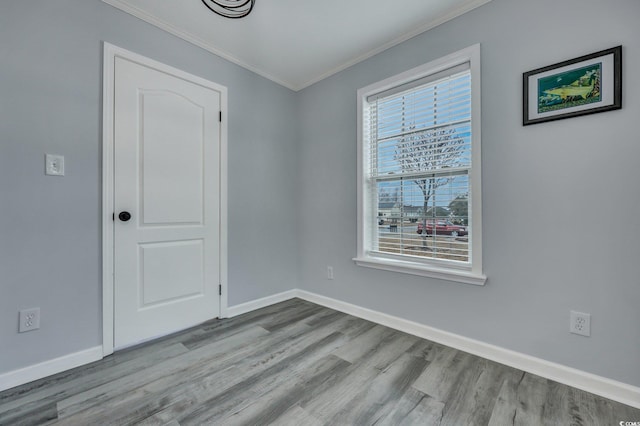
{"points": [[472, 273]]}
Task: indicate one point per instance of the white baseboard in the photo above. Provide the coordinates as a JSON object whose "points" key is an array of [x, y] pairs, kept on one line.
{"points": [[607, 388], [243, 308], [38, 371]]}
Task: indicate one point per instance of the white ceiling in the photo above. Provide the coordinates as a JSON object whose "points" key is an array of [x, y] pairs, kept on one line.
{"points": [[299, 42]]}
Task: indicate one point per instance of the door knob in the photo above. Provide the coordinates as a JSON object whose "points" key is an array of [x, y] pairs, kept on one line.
{"points": [[124, 216]]}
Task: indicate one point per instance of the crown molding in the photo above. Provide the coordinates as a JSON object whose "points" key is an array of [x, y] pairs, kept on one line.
{"points": [[210, 46]]}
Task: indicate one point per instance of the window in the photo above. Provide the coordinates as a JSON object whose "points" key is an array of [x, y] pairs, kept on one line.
{"points": [[419, 200]]}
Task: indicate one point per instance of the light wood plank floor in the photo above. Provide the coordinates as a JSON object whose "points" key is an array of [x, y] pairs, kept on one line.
{"points": [[296, 363]]}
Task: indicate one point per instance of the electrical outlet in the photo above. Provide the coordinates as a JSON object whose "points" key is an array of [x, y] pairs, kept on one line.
{"points": [[54, 165], [580, 323], [329, 272], [29, 320]]}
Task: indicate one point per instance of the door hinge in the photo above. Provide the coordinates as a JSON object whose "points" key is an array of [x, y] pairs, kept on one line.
{"points": [[220, 289], [113, 216], [220, 117]]}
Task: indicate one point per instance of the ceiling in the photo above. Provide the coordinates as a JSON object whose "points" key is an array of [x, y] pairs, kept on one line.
{"points": [[299, 42]]}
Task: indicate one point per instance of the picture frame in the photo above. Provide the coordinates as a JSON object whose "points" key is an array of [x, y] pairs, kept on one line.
{"points": [[585, 85]]}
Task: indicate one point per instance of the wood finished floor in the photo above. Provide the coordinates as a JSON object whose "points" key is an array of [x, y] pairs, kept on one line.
{"points": [[296, 363]]}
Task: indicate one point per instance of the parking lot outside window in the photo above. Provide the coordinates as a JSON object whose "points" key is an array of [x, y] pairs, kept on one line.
{"points": [[419, 175]]}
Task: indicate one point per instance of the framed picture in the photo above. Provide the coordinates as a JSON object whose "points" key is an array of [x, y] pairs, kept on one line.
{"points": [[584, 85]]}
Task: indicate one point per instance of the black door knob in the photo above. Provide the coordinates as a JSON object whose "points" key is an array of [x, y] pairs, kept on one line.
{"points": [[124, 216]]}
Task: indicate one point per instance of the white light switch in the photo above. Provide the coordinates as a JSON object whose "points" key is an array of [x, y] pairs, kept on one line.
{"points": [[54, 165]]}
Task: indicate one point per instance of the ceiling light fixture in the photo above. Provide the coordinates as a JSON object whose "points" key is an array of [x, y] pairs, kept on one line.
{"points": [[230, 8]]}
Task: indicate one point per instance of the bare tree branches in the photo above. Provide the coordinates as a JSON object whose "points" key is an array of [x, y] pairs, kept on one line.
{"points": [[432, 150]]}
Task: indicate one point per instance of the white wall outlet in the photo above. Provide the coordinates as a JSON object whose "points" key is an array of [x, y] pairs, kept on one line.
{"points": [[329, 272], [54, 165], [580, 323], [29, 320]]}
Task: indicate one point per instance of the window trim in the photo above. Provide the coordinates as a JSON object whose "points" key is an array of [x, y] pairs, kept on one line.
{"points": [[469, 275]]}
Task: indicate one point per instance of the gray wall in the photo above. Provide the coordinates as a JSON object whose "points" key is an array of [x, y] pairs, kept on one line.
{"points": [[50, 102], [561, 199]]}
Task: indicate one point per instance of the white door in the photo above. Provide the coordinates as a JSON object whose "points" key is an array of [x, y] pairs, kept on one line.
{"points": [[167, 203]]}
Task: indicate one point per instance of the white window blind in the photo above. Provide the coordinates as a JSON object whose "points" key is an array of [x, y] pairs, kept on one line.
{"points": [[420, 158], [419, 177]]}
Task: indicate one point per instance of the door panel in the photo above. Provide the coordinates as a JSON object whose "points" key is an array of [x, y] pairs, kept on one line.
{"points": [[167, 256], [163, 264], [172, 177]]}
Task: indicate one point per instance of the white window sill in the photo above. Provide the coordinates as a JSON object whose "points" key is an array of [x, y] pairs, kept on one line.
{"points": [[460, 276]]}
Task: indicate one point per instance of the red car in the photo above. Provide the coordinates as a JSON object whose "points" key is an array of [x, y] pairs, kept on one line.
{"points": [[443, 227]]}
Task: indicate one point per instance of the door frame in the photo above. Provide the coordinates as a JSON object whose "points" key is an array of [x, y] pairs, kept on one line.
{"points": [[108, 174]]}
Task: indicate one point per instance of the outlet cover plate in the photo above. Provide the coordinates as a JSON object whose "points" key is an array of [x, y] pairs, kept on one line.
{"points": [[580, 323], [29, 320], [54, 165]]}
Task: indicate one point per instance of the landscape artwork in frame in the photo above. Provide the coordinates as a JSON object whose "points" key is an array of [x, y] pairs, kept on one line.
{"points": [[584, 85]]}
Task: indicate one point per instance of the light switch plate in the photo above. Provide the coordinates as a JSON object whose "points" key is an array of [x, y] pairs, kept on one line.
{"points": [[54, 165]]}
